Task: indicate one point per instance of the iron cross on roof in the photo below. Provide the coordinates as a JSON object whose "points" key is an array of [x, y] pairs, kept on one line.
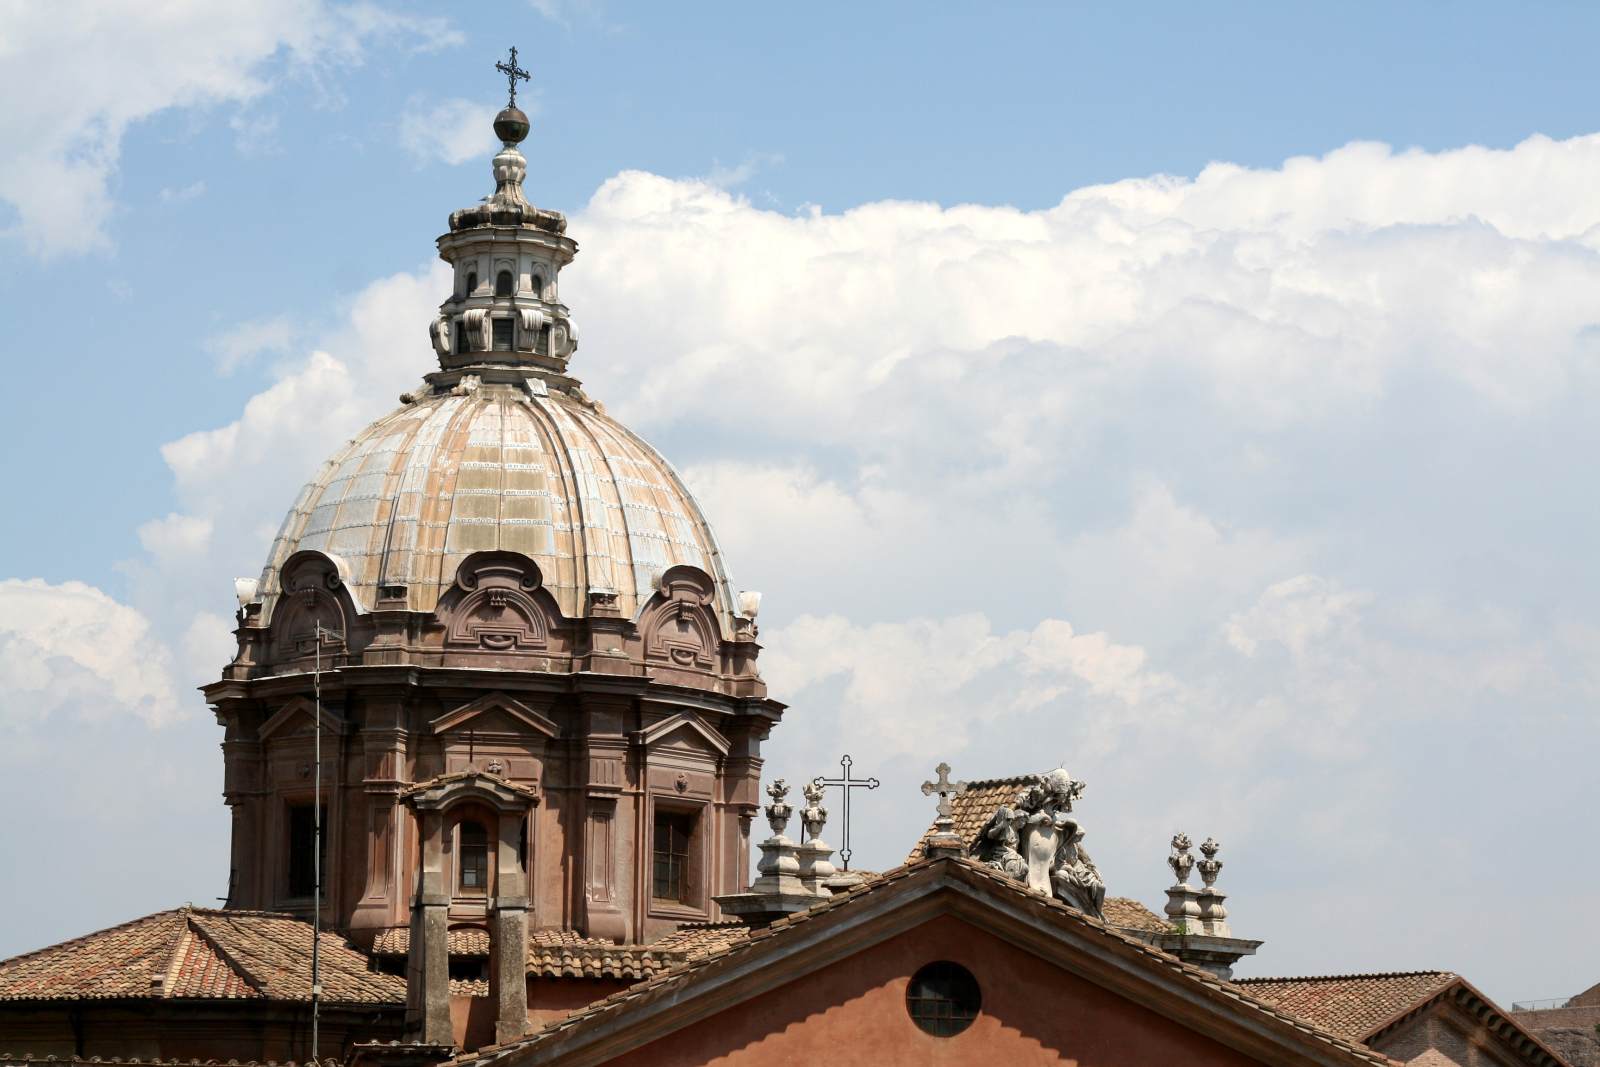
{"points": [[845, 784], [512, 73]]}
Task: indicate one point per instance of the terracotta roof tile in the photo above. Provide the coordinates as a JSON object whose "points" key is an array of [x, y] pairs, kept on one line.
{"points": [[1350, 1005], [551, 953], [463, 941], [661, 984], [694, 940], [974, 808], [1127, 914], [197, 953]]}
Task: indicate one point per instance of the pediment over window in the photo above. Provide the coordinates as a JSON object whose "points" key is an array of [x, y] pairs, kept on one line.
{"points": [[685, 726], [298, 717], [496, 713], [448, 790]]}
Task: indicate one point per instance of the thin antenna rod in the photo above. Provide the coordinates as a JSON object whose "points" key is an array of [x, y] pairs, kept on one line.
{"points": [[316, 851]]}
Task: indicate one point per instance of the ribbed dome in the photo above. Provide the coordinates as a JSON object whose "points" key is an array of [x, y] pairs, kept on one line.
{"points": [[500, 467]]}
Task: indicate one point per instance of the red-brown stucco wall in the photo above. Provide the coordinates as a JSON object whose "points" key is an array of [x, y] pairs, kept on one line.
{"points": [[853, 1012]]}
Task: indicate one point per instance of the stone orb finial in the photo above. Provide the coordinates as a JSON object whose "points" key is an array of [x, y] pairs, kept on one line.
{"points": [[511, 125]]}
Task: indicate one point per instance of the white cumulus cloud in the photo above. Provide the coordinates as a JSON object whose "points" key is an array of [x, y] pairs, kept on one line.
{"points": [[71, 648], [448, 131], [90, 70]]}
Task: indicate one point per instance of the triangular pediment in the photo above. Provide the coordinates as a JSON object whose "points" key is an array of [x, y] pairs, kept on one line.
{"points": [[496, 713], [685, 727], [298, 717], [1050, 978]]}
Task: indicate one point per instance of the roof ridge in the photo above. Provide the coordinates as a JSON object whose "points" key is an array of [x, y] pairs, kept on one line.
{"points": [[1347, 977], [93, 933], [227, 957]]}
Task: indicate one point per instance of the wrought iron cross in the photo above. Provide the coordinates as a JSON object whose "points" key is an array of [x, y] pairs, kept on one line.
{"points": [[946, 789], [845, 784], [512, 73]]}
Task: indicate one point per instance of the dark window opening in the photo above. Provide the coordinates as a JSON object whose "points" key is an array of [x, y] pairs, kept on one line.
{"points": [[522, 845], [538, 287], [472, 858], [472, 282], [303, 848], [461, 337], [502, 335], [943, 998], [469, 969], [673, 874], [503, 283]]}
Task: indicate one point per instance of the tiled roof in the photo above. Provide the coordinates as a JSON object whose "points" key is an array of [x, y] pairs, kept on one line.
{"points": [[551, 953], [463, 941], [668, 984], [974, 808], [1127, 914], [1350, 1005], [1366, 1007], [693, 940], [564, 954], [197, 954]]}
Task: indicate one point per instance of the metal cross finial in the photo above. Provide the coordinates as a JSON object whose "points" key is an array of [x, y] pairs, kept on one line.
{"points": [[945, 788], [512, 73], [846, 783]]}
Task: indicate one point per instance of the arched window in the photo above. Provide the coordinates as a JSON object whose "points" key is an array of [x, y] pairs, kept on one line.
{"points": [[504, 283], [538, 287], [472, 282], [472, 859]]}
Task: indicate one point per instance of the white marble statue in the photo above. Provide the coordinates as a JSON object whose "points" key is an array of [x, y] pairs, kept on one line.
{"points": [[1038, 842]]}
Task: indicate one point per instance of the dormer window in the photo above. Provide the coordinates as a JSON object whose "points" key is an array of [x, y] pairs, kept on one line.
{"points": [[504, 284]]}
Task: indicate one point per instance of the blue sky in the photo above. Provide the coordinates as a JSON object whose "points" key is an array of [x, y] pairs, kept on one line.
{"points": [[878, 102], [1180, 394]]}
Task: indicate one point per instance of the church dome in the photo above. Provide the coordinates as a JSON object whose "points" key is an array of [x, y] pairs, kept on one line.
{"points": [[501, 451], [508, 467]]}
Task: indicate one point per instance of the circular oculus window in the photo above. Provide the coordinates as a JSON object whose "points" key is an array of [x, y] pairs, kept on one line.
{"points": [[943, 998]]}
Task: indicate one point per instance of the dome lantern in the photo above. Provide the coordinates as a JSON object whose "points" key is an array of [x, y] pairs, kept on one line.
{"points": [[504, 319]]}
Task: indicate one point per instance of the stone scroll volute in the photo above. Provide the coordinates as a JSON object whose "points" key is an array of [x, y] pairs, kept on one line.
{"points": [[312, 594], [497, 605], [678, 625]]}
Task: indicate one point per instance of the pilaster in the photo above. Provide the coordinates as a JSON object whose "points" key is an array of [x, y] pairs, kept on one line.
{"points": [[428, 977], [605, 751], [508, 961]]}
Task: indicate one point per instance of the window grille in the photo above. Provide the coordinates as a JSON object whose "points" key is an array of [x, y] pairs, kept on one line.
{"points": [[472, 858], [943, 998], [673, 868]]}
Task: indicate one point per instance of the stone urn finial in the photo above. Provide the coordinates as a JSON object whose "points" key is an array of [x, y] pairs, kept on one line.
{"points": [[1180, 860], [779, 810], [1210, 866]]}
